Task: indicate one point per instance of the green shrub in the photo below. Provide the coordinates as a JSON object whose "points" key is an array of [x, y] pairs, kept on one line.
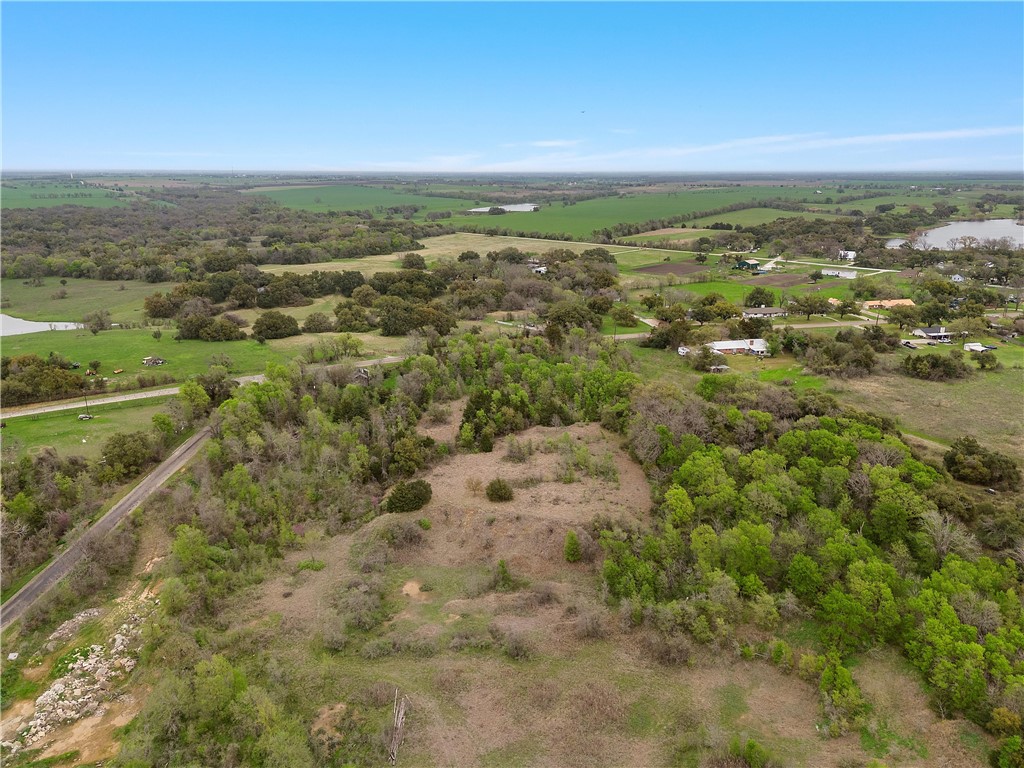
{"points": [[423, 523], [572, 550], [311, 565], [408, 497], [499, 490]]}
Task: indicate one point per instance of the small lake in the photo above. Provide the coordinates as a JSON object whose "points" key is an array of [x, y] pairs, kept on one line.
{"points": [[983, 230], [15, 326]]}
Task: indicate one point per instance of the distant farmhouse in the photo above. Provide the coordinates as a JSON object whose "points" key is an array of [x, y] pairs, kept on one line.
{"points": [[750, 313], [848, 255], [749, 264], [846, 274], [935, 333], [514, 208], [958, 279]]}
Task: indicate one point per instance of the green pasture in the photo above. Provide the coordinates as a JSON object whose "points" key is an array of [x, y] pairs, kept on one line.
{"points": [[350, 197], [986, 405], [123, 299], [125, 348], [40, 194], [368, 265], [581, 219], [630, 261], [608, 327], [685, 235], [62, 430], [750, 217]]}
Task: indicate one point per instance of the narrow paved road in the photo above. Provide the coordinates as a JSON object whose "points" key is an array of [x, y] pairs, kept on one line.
{"points": [[63, 564], [76, 404]]}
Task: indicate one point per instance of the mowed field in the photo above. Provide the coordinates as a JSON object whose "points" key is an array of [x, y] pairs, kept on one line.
{"points": [[578, 220], [123, 299], [750, 217], [62, 430], [583, 218], [125, 348], [449, 247], [26, 194]]}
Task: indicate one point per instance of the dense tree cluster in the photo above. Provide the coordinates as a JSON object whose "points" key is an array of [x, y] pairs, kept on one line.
{"points": [[762, 516]]}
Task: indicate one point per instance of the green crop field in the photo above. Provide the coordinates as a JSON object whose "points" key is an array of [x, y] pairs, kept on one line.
{"points": [[29, 194], [750, 217], [62, 430], [122, 299], [349, 197], [579, 220], [582, 219], [683, 235], [125, 348]]}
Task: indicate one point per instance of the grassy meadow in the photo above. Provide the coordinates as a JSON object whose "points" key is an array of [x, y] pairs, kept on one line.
{"points": [[123, 299], [578, 220], [125, 348], [62, 431]]}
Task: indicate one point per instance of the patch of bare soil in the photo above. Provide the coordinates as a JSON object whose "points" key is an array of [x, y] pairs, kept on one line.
{"points": [[93, 736], [529, 531], [15, 718], [447, 432], [778, 280], [682, 268], [301, 596], [411, 589]]}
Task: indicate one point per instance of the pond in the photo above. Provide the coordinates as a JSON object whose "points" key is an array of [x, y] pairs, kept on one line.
{"points": [[15, 326], [940, 237]]}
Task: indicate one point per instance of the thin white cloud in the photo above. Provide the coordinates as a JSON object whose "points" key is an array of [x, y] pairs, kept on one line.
{"points": [[881, 139], [622, 131], [556, 143]]}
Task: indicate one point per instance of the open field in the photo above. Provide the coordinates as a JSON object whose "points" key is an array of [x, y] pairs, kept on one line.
{"points": [[42, 194], [750, 217], [672, 235], [350, 197], [62, 431], [368, 265], [123, 299], [673, 268], [986, 406], [449, 247], [126, 348], [578, 220], [581, 219]]}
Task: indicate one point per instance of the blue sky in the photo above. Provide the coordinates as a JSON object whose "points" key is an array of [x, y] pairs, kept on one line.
{"points": [[683, 87]]}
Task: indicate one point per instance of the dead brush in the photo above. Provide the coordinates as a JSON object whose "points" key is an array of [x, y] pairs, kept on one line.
{"points": [[450, 681], [376, 694], [601, 705], [590, 625]]}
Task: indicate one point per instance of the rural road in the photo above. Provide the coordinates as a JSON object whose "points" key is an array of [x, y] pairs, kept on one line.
{"points": [[63, 564], [76, 404]]}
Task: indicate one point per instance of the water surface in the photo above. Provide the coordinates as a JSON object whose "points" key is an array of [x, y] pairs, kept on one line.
{"points": [[15, 326], [940, 237]]}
